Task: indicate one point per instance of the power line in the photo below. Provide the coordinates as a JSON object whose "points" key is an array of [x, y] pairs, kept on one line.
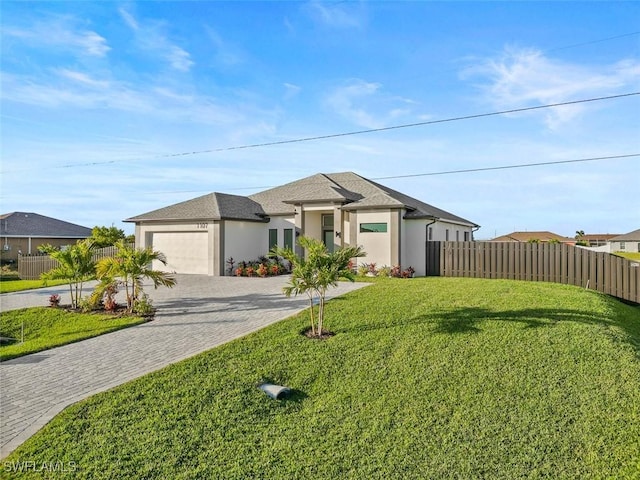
{"points": [[591, 42], [505, 167], [446, 172], [406, 125], [357, 132]]}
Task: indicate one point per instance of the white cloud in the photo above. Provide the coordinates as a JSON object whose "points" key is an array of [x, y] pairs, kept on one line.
{"points": [[61, 33], [291, 90], [150, 37], [526, 77], [79, 90], [179, 58], [128, 19], [224, 53], [336, 16], [82, 78], [365, 104]]}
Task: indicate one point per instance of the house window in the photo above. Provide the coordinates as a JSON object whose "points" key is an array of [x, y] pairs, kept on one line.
{"points": [[622, 246], [373, 228], [457, 235], [273, 238], [430, 233], [446, 235], [288, 238], [327, 221], [466, 236]]}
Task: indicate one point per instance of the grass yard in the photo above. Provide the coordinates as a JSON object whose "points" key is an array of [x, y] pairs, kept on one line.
{"points": [[7, 286], [51, 327], [425, 378], [629, 255]]}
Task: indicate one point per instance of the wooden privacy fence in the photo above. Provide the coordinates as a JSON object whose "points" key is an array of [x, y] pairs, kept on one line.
{"points": [[30, 267], [537, 262]]}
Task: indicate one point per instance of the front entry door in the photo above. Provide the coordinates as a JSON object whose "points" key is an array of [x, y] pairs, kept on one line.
{"points": [[327, 231], [327, 238]]}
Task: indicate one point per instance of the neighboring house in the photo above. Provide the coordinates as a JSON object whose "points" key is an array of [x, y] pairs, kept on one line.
{"points": [[24, 232], [596, 239], [629, 242], [199, 235], [542, 237]]}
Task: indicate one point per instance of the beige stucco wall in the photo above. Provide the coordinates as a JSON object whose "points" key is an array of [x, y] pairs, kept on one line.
{"points": [[378, 244], [203, 248], [313, 223]]}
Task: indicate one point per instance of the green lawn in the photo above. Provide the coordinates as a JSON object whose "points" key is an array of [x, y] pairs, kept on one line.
{"points": [[7, 286], [46, 327], [629, 255], [425, 378]]}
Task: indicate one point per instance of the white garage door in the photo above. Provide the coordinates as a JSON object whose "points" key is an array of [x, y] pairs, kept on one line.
{"points": [[186, 252]]}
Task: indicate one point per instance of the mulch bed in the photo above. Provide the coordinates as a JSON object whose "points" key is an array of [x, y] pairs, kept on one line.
{"points": [[325, 334]]}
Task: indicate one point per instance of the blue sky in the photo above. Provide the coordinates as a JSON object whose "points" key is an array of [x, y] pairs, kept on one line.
{"points": [[98, 97]]}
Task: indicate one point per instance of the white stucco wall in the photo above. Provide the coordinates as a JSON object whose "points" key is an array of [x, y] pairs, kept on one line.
{"points": [[414, 240], [245, 240], [631, 246], [413, 245], [280, 224]]}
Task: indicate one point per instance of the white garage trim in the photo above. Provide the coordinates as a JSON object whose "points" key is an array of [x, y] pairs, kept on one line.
{"points": [[186, 252]]}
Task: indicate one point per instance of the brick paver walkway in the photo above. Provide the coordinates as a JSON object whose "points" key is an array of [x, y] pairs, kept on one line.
{"points": [[198, 314]]}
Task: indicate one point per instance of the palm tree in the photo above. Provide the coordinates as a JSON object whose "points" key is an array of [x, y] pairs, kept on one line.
{"points": [[317, 272], [75, 264], [129, 267]]}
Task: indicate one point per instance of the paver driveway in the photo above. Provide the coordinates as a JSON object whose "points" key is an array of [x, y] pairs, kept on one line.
{"points": [[199, 313]]}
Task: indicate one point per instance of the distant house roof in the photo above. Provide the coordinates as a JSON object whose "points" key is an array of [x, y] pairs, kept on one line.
{"points": [[348, 189], [627, 237], [213, 206], [29, 224], [592, 237], [543, 236]]}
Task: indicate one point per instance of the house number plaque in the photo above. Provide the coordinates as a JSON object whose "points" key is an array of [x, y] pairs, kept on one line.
{"points": [[202, 225]]}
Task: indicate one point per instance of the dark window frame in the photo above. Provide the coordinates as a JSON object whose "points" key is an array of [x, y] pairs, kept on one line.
{"points": [[368, 227]]}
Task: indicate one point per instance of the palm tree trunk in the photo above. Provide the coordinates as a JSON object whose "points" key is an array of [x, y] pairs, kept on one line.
{"points": [[126, 289]]}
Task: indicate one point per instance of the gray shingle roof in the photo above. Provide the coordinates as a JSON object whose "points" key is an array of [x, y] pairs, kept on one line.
{"points": [[29, 224], [348, 189], [627, 237], [213, 206], [355, 191]]}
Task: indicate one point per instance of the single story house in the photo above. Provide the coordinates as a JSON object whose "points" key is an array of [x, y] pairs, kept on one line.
{"points": [[629, 242], [22, 233], [199, 235], [596, 239], [542, 237]]}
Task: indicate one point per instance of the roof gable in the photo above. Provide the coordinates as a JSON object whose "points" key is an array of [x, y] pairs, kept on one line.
{"points": [[29, 224]]}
